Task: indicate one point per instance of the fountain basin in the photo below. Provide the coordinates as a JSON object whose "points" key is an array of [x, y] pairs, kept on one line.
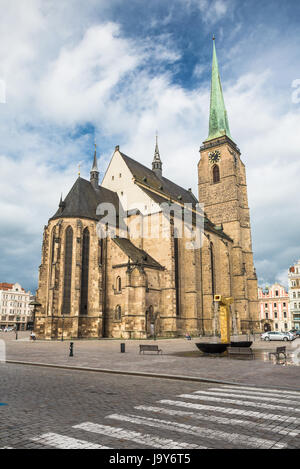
{"points": [[210, 347], [241, 344]]}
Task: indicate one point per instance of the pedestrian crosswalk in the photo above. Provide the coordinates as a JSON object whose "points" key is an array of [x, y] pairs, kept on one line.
{"points": [[137, 437], [66, 442], [197, 430], [211, 417], [210, 396]]}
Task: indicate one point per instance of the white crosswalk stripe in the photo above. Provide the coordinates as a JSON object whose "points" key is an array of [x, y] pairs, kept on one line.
{"points": [[136, 437], [225, 400], [217, 419], [282, 394], [281, 401], [235, 438], [231, 410], [65, 442], [266, 390]]}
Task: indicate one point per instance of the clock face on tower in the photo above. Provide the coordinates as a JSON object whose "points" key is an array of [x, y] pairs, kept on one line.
{"points": [[214, 156]]}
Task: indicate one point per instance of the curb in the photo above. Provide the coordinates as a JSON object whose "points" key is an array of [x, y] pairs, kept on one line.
{"points": [[147, 375]]}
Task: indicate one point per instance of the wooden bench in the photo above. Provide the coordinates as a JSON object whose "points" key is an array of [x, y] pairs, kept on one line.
{"points": [[150, 348], [241, 351], [279, 351]]}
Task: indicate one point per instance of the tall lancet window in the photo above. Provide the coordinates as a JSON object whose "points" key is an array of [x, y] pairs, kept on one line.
{"points": [[66, 309], [85, 272], [216, 174], [176, 256]]}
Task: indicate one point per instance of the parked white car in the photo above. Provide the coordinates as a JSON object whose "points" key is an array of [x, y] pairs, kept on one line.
{"points": [[285, 336]]}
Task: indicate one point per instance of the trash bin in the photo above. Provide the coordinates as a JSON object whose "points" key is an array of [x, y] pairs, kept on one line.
{"points": [[122, 348]]}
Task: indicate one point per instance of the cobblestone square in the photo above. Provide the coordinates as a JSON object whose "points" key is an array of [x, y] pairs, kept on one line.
{"points": [[60, 408]]}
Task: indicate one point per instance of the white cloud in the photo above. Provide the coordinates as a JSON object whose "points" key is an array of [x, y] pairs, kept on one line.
{"points": [[212, 10], [78, 83], [67, 70]]}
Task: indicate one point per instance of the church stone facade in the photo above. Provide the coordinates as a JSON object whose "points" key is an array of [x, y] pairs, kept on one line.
{"points": [[138, 277]]}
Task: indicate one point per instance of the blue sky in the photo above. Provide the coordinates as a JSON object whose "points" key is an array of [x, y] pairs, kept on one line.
{"points": [[120, 70]]}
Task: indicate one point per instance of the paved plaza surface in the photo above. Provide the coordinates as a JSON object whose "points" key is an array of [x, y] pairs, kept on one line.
{"points": [[180, 357], [52, 408]]}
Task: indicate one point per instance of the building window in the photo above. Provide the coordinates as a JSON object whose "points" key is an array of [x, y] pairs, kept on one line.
{"points": [[101, 251], [276, 325], [285, 325], [275, 305], [53, 246], [176, 259], [284, 305], [267, 315], [284, 314], [216, 174], [276, 293], [275, 315], [118, 313], [119, 285], [266, 305], [85, 272], [68, 271]]}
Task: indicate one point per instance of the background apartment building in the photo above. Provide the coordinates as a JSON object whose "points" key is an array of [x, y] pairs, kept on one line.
{"points": [[15, 310], [274, 308], [294, 293]]}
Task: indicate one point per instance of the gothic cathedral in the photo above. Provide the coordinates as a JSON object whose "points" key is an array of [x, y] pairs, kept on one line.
{"points": [[126, 282]]}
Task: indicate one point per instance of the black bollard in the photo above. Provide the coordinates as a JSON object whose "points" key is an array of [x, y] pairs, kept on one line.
{"points": [[122, 348], [71, 349]]}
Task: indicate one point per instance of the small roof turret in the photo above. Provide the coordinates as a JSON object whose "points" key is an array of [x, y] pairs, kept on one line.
{"points": [[157, 163]]}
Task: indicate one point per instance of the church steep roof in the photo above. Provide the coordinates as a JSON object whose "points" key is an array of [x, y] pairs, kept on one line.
{"points": [[218, 120], [82, 201], [137, 256], [147, 177], [160, 189]]}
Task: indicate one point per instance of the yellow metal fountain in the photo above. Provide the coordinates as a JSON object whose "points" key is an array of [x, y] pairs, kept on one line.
{"points": [[224, 317]]}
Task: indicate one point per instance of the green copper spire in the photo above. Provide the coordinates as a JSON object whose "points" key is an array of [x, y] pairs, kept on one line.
{"points": [[218, 121]]}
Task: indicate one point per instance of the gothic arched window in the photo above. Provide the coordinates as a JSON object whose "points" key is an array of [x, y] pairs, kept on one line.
{"points": [[216, 174], [212, 266], [118, 313], [68, 271], [151, 313], [53, 245], [85, 272], [176, 258], [119, 285]]}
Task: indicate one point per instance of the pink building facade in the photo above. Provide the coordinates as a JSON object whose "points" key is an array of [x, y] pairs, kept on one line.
{"points": [[274, 308]]}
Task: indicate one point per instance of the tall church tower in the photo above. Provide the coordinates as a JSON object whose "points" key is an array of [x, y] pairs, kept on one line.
{"points": [[223, 191]]}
